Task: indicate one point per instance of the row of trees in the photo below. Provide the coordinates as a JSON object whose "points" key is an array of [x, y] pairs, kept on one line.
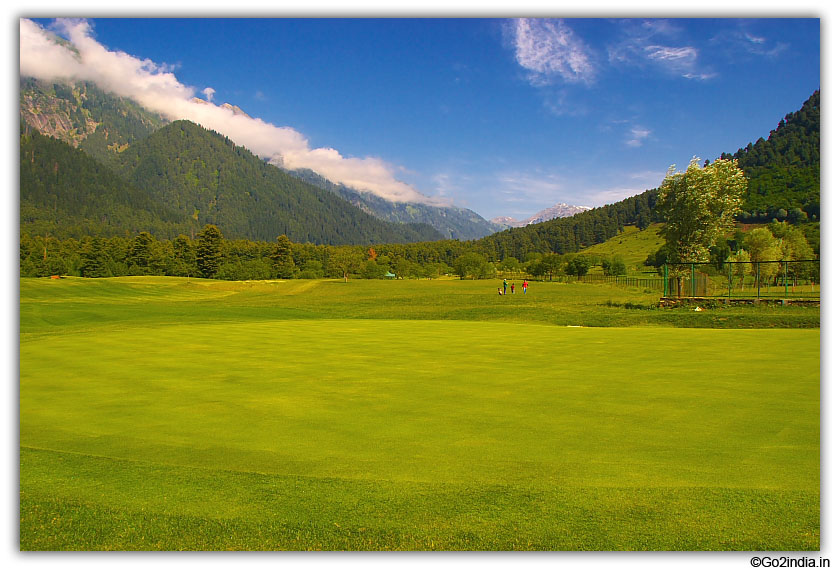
{"points": [[211, 255], [754, 253]]}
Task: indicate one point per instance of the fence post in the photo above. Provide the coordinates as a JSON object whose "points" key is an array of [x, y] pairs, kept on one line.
{"points": [[666, 281], [786, 285], [730, 280], [693, 282], [758, 278]]}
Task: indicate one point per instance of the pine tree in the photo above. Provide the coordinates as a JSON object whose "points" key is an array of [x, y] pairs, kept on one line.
{"points": [[208, 255], [281, 258], [94, 259]]}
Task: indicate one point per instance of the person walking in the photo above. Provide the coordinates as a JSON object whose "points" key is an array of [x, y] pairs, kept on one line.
{"points": [[524, 286], [512, 288], [504, 286]]}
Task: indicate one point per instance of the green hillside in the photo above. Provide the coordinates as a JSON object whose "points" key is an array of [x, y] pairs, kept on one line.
{"points": [[632, 245], [783, 171]]}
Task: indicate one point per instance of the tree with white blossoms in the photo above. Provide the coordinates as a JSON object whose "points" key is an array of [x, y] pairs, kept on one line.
{"points": [[699, 206]]}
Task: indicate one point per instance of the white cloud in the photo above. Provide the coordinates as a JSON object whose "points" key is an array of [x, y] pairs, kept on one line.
{"points": [[551, 51], [637, 136], [642, 45], [155, 87], [737, 42]]}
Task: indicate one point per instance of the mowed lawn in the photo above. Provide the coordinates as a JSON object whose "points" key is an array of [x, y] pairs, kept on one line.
{"points": [[173, 414]]}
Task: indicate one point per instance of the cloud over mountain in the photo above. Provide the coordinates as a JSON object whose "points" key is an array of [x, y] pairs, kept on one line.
{"points": [[45, 56]]}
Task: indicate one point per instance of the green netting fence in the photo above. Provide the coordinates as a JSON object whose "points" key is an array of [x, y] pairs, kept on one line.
{"points": [[780, 279]]}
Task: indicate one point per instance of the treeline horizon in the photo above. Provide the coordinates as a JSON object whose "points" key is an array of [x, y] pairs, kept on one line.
{"points": [[211, 255]]}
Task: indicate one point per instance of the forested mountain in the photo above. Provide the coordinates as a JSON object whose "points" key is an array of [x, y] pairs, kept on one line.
{"points": [[452, 222], [175, 181], [784, 170], [65, 193], [208, 179]]}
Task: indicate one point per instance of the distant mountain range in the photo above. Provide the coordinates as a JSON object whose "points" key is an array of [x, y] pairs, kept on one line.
{"points": [[561, 210], [106, 127], [94, 164], [452, 222]]}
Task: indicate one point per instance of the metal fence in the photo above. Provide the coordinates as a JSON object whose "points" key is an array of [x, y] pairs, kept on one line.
{"points": [[643, 282], [780, 279]]}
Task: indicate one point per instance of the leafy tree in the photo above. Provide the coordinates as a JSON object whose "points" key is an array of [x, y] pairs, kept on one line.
{"points": [[510, 264], [208, 255], [614, 266], [698, 207], [740, 267], [247, 269], [473, 265], [345, 260], [578, 265], [402, 268], [763, 246], [373, 270], [795, 247], [311, 269], [551, 265]]}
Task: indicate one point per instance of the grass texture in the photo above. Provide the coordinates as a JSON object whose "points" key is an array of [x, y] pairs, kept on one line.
{"points": [[173, 414]]}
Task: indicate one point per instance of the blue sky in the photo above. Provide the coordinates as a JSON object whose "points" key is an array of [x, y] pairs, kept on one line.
{"points": [[505, 117]]}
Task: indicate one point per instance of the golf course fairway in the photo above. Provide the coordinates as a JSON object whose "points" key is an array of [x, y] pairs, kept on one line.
{"points": [[159, 414]]}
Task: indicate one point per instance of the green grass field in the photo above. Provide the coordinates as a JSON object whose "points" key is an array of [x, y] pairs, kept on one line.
{"points": [[176, 414]]}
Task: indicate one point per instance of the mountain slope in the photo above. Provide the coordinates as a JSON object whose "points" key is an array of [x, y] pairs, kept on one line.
{"points": [[783, 171], [207, 179], [105, 125], [66, 193], [85, 117], [451, 222]]}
